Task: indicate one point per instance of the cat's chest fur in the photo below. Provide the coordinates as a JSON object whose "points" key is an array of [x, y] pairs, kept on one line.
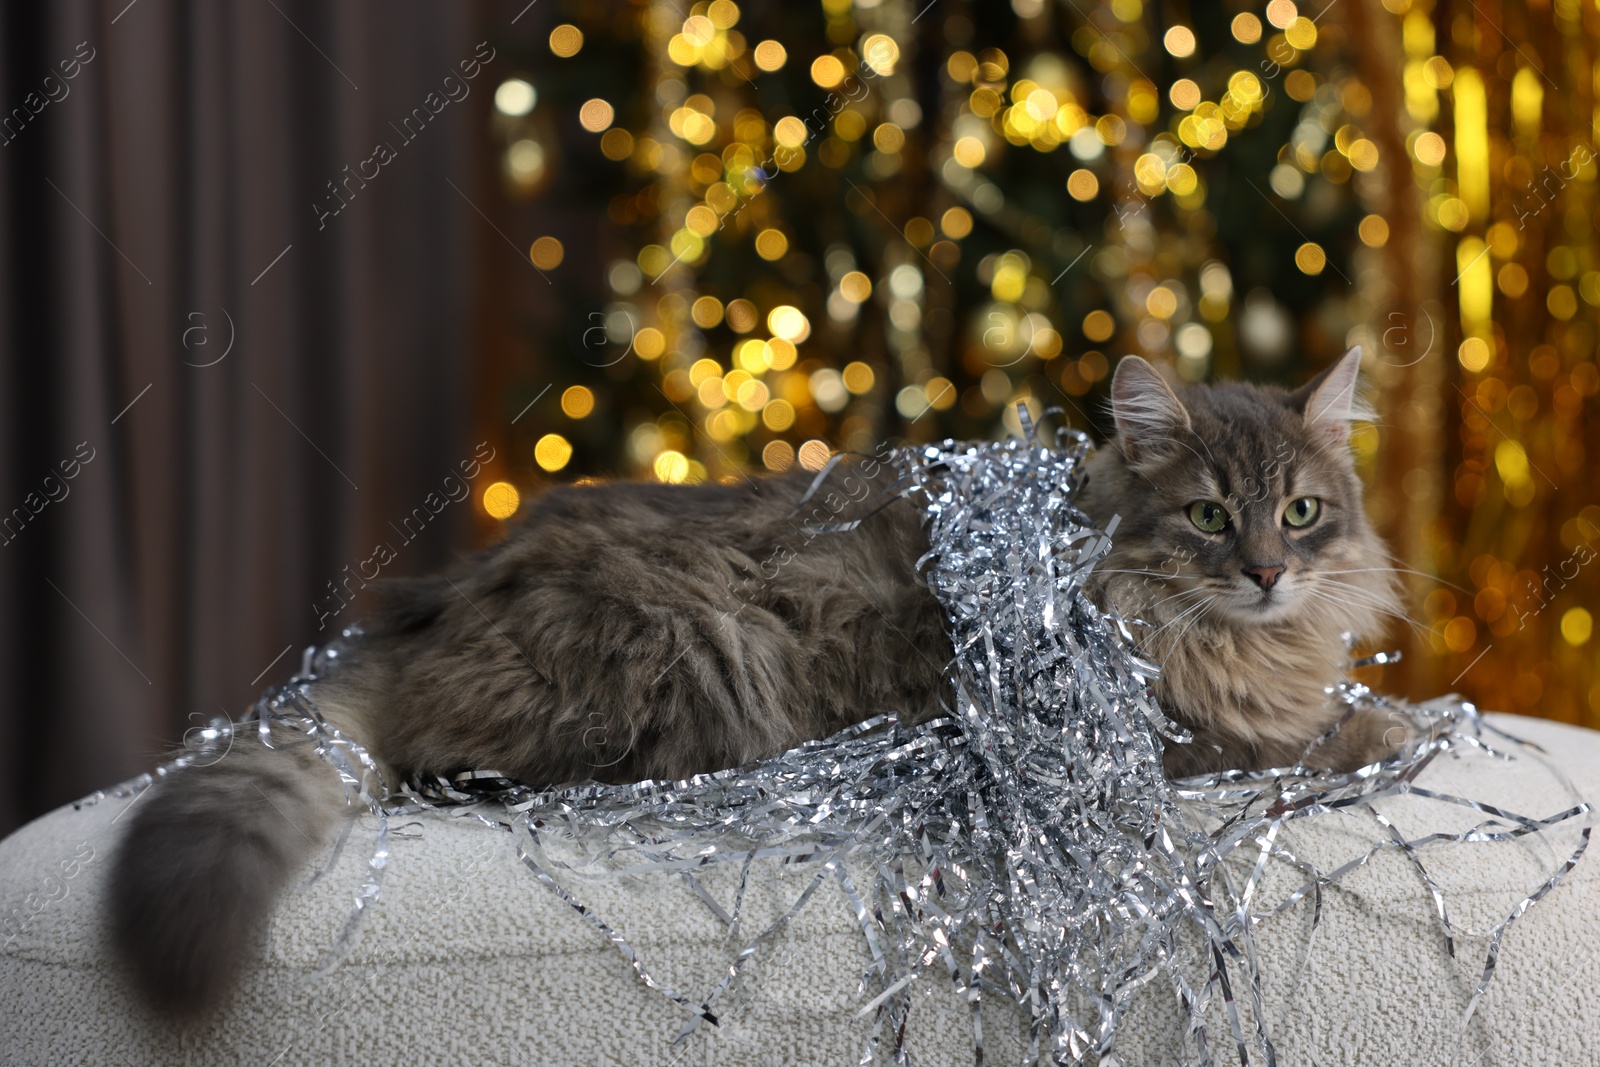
{"points": [[1255, 688]]}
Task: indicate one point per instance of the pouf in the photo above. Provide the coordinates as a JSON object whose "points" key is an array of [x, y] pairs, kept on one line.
{"points": [[467, 955]]}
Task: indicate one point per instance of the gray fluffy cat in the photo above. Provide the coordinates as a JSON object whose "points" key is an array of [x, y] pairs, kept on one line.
{"points": [[630, 631]]}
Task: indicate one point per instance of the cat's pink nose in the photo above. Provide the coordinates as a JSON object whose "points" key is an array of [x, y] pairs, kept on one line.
{"points": [[1265, 575]]}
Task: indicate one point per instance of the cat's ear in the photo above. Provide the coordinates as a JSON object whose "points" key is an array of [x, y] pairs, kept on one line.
{"points": [[1148, 414], [1331, 401]]}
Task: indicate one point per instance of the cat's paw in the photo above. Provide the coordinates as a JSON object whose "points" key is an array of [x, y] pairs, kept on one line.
{"points": [[1373, 735]]}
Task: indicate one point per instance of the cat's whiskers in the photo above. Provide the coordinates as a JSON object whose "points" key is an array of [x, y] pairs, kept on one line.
{"points": [[1205, 608], [1179, 617], [1360, 598], [1168, 576], [1367, 595], [1372, 600], [1198, 591], [1381, 608], [1328, 610], [1362, 594], [1336, 613], [1399, 565], [1154, 633], [1396, 569]]}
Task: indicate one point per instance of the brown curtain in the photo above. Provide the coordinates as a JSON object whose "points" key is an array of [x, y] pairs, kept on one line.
{"points": [[156, 206]]}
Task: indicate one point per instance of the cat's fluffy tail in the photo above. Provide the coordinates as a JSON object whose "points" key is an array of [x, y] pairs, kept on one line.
{"points": [[204, 859]]}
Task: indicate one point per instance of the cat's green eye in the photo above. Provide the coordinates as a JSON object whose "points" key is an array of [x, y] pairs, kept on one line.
{"points": [[1302, 512], [1208, 516]]}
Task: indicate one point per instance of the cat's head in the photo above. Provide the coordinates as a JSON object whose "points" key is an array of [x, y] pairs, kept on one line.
{"points": [[1243, 498]]}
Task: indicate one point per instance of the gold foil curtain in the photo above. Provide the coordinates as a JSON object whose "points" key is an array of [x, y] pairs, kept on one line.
{"points": [[1495, 489]]}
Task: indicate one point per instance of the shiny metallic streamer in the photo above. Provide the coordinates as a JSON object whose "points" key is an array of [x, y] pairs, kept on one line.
{"points": [[1026, 845]]}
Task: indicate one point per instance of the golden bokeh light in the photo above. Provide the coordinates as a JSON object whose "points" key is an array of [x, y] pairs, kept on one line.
{"points": [[955, 223], [1246, 28], [1083, 185], [752, 395], [501, 500], [1301, 85], [547, 253], [1438, 73], [1161, 302], [704, 370], [595, 115], [1182, 179], [552, 451], [788, 323], [781, 354], [1512, 280], [1179, 40], [1473, 354], [858, 378], [1460, 633], [566, 40], [706, 312], [827, 71], [699, 31], [1098, 326], [778, 416], [670, 466], [881, 53], [850, 125], [771, 244], [961, 66], [790, 132], [1301, 33], [814, 455], [770, 56], [778, 455], [969, 152], [1373, 231], [855, 287], [649, 343], [617, 144], [1310, 258], [751, 356], [741, 315], [701, 220], [577, 402]]}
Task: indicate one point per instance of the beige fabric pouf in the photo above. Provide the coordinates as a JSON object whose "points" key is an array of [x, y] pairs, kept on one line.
{"points": [[466, 956]]}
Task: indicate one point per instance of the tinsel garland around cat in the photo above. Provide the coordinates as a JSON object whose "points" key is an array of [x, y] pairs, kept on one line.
{"points": [[1026, 846]]}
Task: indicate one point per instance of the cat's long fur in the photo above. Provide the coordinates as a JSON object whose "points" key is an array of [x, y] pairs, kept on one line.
{"points": [[630, 631]]}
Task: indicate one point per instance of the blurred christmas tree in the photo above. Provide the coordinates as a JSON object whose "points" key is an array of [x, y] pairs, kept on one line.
{"points": [[826, 226]]}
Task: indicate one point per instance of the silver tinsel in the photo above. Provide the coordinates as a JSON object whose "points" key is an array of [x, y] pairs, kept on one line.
{"points": [[1027, 845]]}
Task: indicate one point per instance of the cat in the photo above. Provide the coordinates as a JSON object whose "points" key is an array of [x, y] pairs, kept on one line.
{"points": [[631, 631], [1244, 547]]}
